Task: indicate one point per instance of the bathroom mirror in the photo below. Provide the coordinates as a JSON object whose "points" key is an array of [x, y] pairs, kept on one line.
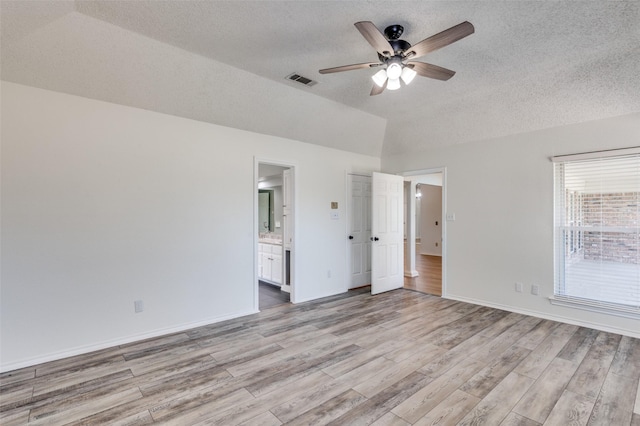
{"points": [[265, 210]]}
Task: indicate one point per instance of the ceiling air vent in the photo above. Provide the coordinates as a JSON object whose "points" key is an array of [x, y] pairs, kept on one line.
{"points": [[302, 80]]}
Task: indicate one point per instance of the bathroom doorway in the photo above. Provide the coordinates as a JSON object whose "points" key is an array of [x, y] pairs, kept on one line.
{"points": [[274, 236]]}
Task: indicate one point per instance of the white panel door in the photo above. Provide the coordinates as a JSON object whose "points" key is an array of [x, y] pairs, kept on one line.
{"points": [[359, 230], [387, 247]]}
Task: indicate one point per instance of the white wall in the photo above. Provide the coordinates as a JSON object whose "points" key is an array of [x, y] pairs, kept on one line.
{"points": [[278, 200], [501, 191], [165, 78], [104, 204], [430, 213]]}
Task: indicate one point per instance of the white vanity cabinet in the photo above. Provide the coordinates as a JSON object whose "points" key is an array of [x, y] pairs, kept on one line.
{"points": [[276, 266], [270, 263]]}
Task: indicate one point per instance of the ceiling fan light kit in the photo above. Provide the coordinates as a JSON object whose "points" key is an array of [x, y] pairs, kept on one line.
{"points": [[397, 56], [408, 75], [380, 77], [394, 68], [393, 84], [394, 71]]}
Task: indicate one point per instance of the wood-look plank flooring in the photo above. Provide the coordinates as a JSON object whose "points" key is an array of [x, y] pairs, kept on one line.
{"points": [[397, 358], [429, 279]]}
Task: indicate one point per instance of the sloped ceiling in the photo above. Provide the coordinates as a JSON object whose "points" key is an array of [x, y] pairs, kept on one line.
{"points": [[530, 65]]}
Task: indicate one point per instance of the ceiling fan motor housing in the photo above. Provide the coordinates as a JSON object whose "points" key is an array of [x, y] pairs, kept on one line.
{"points": [[399, 46], [393, 32]]}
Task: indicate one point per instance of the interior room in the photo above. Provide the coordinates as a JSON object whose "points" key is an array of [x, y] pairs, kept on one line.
{"points": [[161, 162], [423, 266]]}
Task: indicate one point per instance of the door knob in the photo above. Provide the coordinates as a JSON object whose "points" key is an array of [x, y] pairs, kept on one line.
{"points": [[351, 237], [374, 238]]}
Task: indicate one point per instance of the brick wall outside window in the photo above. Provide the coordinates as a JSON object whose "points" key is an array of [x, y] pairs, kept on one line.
{"points": [[616, 209]]}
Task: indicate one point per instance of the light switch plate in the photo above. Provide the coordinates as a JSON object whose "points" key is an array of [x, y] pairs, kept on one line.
{"points": [[334, 215], [451, 217]]}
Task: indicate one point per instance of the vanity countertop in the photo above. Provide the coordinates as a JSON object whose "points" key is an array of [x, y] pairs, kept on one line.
{"points": [[270, 240]]}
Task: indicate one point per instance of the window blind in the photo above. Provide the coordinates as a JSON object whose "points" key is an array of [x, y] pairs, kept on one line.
{"points": [[597, 233]]}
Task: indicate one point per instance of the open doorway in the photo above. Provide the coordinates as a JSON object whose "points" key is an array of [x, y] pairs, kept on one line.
{"points": [[424, 232], [424, 255], [274, 237]]}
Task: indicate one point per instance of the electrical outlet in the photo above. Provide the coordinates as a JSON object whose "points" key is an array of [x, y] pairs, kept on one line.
{"points": [[138, 306], [519, 287], [534, 289]]}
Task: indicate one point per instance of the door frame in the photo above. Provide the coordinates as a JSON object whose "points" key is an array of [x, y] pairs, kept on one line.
{"points": [[256, 231], [445, 221]]}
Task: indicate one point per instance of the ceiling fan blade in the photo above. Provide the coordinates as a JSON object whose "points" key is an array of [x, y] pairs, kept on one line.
{"points": [[431, 71], [349, 67], [376, 90], [440, 40], [375, 37]]}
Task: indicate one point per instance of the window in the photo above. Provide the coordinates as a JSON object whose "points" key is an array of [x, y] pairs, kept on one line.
{"points": [[597, 224]]}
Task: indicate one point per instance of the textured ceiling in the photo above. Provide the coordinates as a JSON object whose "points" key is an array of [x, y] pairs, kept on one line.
{"points": [[530, 65]]}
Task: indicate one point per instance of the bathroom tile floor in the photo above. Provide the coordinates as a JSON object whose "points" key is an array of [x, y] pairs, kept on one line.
{"points": [[271, 296]]}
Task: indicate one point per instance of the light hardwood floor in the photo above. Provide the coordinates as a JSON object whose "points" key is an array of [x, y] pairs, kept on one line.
{"points": [[429, 279], [396, 358]]}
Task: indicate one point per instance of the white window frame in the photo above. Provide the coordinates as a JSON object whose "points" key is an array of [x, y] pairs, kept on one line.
{"points": [[565, 248]]}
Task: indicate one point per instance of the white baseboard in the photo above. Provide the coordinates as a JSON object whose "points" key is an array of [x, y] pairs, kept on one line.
{"points": [[544, 315], [79, 350], [411, 274], [310, 299]]}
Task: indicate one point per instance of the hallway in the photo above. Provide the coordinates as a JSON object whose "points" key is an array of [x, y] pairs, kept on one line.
{"points": [[429, 279]]}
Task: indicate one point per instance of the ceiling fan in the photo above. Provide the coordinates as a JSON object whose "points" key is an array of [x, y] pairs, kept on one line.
{"points": [[397, 56]]}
